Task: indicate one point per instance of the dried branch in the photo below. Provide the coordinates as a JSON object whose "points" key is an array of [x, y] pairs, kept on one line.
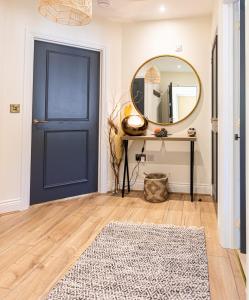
{"points": [[115, 134]]}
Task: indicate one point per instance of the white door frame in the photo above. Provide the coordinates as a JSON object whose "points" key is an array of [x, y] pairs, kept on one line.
{"points": [[227, 221], [31, 37], [247, 130]]}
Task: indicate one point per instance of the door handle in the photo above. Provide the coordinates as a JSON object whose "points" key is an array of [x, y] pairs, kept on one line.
{"points": [[37, 122], [236, 137]]}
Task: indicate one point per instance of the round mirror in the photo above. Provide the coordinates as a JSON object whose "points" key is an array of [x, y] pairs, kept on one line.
{"points": [[166, 90]]}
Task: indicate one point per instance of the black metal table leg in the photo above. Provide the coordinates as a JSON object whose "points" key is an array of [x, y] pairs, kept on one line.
{"points": [[192, 161], [126, 168]]}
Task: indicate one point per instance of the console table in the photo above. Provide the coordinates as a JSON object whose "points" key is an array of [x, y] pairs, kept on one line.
{"points": [[172, 138]]}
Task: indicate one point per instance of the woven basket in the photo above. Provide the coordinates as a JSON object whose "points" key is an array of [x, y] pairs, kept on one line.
{"points": [[155, 188]]}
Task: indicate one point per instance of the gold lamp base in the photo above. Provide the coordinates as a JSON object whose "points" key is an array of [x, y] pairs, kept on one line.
{"points": [[134, 125]]}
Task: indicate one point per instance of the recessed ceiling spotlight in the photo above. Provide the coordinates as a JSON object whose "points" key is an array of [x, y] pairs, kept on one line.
{"points": [[179, 67], [162, 8], [104, 3]]}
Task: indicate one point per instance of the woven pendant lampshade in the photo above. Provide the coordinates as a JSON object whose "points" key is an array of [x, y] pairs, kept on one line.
{"points": [[67, 12], [152, 76]]}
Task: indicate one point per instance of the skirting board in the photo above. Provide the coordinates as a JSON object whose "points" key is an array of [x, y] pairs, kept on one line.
{"points": [[179, 188], [10, 205], [15, 204], [204, 189]]}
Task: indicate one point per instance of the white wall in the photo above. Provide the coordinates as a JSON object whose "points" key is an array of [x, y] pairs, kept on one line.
{"points": [[144, 40], [215, 18], [18, 17], [127, 48]]}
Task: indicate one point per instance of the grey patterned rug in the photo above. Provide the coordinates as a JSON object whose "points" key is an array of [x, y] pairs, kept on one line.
{"points": [[131, 261]]}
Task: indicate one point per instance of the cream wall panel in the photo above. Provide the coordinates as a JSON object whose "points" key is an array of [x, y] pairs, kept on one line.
{"points": [[144, 40]]}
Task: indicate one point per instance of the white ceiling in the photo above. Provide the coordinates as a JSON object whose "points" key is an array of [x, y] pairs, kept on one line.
{"points": [[171, 64], [166, 64], [148, 10]]}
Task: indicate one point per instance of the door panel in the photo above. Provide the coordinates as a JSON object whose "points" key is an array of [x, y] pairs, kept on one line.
{"points": [[68, 145], [65, 144], [67, 86]]}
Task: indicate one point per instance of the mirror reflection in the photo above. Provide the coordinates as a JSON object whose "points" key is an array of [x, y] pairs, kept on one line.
{"points": [[166, 90]]}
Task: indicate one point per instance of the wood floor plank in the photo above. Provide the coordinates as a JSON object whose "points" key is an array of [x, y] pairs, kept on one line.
{"points": [[11, 255], [17, 272], [191, 214], [37, 234], [222, 283], [55, 265], [17, 220], [138, 215], [236, 268], [38, 279], [214, 248], [4, 293], [100, 200], [174, 215], [14, 235], [242, 259], [156, 215], [38, 246], [176, 205], [208, 207], [209, 222]]}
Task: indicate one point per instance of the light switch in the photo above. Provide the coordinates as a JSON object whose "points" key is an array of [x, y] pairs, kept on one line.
{"points": [[15, 108]]}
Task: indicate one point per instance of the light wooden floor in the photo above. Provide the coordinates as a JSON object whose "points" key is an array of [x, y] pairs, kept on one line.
{"points": [[37, 246]]}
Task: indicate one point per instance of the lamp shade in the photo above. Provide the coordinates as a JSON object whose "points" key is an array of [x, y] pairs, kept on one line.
{"points": [[134, 125], [67, 12], [152, 76]]}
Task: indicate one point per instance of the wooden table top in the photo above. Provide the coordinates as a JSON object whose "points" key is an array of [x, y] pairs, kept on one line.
{"points": [[154, 138]]}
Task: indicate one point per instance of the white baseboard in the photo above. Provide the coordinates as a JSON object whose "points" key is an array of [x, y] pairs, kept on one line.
{"points": [[10, 205], [180, 187], [105, 188], [204, 189]]}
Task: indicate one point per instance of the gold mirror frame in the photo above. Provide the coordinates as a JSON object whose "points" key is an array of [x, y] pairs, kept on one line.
{"points": [[161, 56]]}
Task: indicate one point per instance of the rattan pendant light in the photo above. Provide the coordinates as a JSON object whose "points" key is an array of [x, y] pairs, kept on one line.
{"points": [[152, 76], [67, 12]]}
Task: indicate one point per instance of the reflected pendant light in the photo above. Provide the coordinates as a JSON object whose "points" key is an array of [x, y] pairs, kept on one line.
{"points": [[104, 3], [152, 76], [67, 12]]}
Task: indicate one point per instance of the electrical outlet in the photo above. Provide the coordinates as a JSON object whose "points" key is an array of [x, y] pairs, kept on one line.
{"points": [[141, 157]]}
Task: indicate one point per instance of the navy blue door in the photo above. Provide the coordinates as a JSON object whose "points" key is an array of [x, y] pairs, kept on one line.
{"points": [[65, 122]]}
